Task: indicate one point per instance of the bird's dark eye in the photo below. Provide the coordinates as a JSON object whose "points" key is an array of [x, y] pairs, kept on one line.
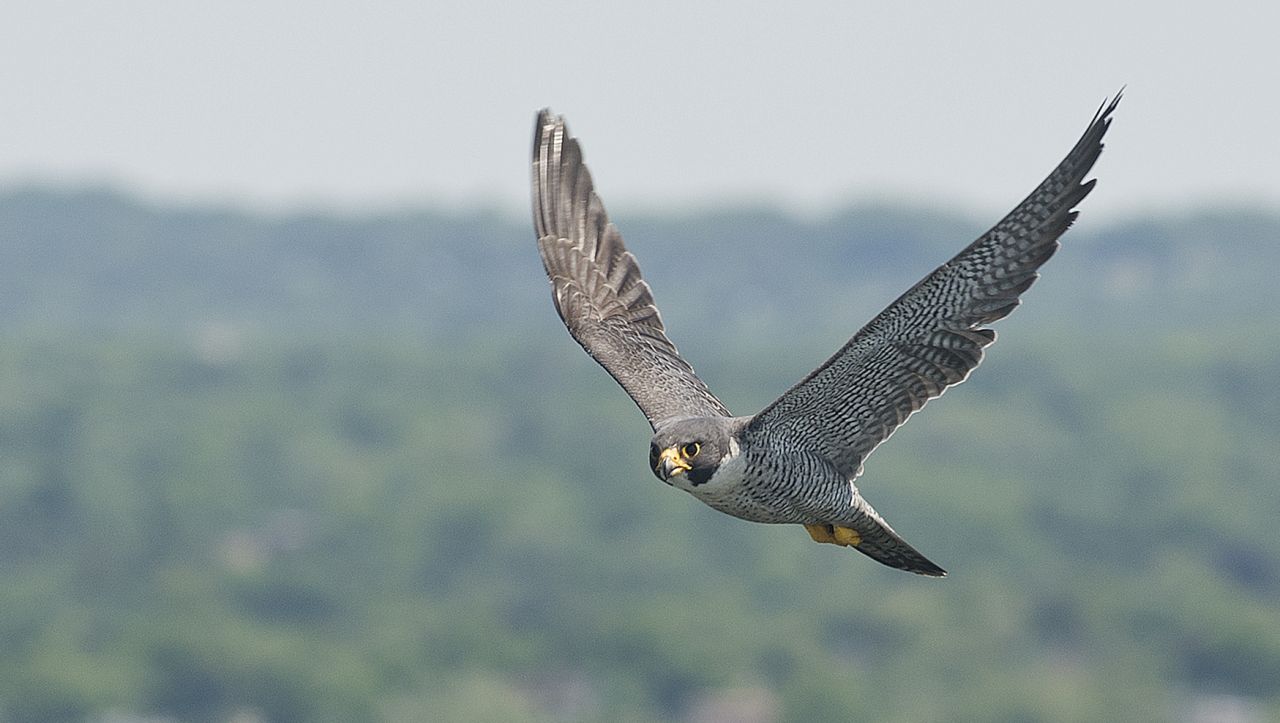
{"points": [[690, 450]]}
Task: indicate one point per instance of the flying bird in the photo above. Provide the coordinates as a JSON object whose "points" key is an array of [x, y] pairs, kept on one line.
{"points": [[795, 462]]}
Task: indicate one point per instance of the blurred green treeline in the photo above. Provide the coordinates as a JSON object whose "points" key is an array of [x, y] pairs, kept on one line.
{"points": [[317, 467]]}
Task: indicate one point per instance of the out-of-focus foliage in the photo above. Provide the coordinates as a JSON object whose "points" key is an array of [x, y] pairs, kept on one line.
{"points": [[315, 468]]}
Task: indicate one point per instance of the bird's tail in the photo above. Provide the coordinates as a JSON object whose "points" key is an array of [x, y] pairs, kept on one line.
{"points": [[867, 532]]}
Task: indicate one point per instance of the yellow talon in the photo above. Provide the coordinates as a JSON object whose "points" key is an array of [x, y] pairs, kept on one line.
{"points": [[835, 535], [821, 533], [847, 536]]}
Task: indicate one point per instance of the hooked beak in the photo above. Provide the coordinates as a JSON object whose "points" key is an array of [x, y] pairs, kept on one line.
{"points": [[670, 464]]}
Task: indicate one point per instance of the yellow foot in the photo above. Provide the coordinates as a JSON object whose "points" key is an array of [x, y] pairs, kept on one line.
{"points": [[847, 536], [821, 533], [834, 534]]}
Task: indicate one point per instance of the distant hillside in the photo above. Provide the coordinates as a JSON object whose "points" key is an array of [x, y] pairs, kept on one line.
{"points": [[98, 259], [312, 467]]}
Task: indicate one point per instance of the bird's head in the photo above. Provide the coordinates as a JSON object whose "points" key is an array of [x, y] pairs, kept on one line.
{"points": [[692, 448]]}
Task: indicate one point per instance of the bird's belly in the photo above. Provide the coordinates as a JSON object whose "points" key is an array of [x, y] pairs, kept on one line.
{"points": [[779, 489], [735, 491]]}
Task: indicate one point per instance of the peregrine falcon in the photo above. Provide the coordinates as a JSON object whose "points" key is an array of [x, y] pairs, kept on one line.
{"points": [[796, 461]]}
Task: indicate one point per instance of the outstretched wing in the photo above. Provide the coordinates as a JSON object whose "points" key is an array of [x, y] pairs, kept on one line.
{"points": [[597, 287], [933, 335]]}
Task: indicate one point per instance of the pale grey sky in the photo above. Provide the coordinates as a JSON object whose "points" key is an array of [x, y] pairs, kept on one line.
{"points": [[679, 103]]}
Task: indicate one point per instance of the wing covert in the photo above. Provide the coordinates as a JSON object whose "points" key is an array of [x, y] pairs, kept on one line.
{"points": [[932, 336], [597, 287]]}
